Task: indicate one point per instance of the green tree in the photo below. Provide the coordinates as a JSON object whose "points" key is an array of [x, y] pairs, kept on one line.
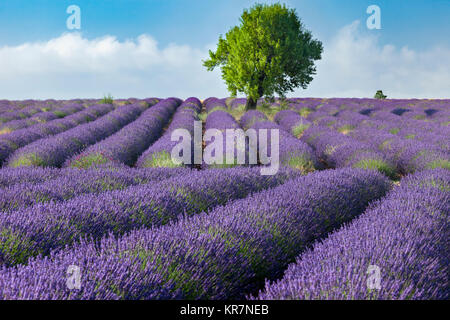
{"points": [[269, 52], [380, 95]]}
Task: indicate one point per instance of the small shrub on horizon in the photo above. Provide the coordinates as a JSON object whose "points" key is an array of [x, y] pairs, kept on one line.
{"points": [[107, 99]]}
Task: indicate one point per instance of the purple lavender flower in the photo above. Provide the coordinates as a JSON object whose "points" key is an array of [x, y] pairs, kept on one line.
{"points": [[127, 144], [403, 235], [53, 151], [225, 254]]}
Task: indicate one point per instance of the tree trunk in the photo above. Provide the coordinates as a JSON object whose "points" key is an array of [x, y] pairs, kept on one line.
{"points": [[251, 104]]}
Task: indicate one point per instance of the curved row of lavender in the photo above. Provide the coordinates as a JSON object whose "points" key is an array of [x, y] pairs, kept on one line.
{"points": [[292, 122], [10, 142], [12, 106], [410, 144], [224, 254], [159, 154], [251, 117], [237, 103], [412, 149], [22, 113], [40, 117], [405, 235], [339, 150], [53, 151], [221, 120], [39, 229], [212, 104], [71, 183], [125, 146], [409, 154], [292, 152], [29, 175]]}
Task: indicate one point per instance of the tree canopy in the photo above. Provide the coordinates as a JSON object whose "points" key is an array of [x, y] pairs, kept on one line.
{"points": [[269, 52], [380, 95]]}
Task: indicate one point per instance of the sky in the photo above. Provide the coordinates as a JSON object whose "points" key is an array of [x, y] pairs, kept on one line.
{"points": [[143, 48]]}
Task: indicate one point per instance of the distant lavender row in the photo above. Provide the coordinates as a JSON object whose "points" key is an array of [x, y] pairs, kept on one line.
{"points": [[12, 141], [31, 175], [292, 122], [214, 104], [126, 145], [21, 113], [405, 235], [42, 228], [410, 144], [225, 254], [251, 117], [221, 120], [71, 183], [159, 154], [292, 152], [408, 154], [53, 151], [40, 117], [339, 150]]}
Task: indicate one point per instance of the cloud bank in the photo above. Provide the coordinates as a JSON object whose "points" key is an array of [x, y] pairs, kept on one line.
{"points": [[71, 66], [355, 65]]}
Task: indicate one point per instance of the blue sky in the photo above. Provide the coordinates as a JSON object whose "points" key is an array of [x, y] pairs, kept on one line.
{"points": [[421, 26], [416, 23]]}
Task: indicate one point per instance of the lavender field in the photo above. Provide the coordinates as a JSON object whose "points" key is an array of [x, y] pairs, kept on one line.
{"points": [[92, 206]]}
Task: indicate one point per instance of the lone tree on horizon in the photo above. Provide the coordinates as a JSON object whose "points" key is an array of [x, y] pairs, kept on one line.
{"points": [[269, 52]]}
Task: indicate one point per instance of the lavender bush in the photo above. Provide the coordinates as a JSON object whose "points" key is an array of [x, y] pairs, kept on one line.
{"points": [[128, 143], [405, 235], [53, 151], [159, 154], [41, 228]]}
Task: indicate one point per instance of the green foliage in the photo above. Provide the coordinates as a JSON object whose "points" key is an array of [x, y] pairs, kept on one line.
{"points": [[379, 165], [89, 161], [161, 160], [442, 163], [394, 130], [284, 104], [380, 95], [269, 52], [27, 160], [303, 164], [304, 112], [59, 114], [345, 129], [107, 99], [299, 129]]}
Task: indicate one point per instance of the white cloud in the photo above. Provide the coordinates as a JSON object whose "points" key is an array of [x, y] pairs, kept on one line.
{"points": [[71, 66], [355, 65]]}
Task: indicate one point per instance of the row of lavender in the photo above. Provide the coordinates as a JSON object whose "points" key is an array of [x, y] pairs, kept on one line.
{"points": [[110, 147], [409, 145], [225, 253], [127, 144], [159, 154], [219, 121], [253, 149], [344, 115], [419, 109], [38, 229], [395, 137], [10, 142], [20, 110], [40, 117], [405, 236], [53, 151]]}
